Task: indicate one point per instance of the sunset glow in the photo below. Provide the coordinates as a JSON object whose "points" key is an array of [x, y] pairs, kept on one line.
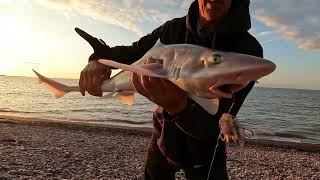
{"points": [[40, 34]]}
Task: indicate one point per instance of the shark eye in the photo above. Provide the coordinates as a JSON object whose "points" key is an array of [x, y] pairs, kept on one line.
{"points": [[208, 61], [216, 58]]}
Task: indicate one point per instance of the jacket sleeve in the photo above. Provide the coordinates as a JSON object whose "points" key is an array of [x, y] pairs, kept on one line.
{"points": [[252, 47], [195, 121], [130, 54]]}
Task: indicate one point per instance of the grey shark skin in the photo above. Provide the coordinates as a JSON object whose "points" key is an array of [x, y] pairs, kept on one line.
{"points": [[204, 74]]}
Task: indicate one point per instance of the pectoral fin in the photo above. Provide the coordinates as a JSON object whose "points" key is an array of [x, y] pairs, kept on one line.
{"points": [[127, 97], [152, 69]]}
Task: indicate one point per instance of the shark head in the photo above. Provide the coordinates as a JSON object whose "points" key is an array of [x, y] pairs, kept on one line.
{"points": [[221, 74]]}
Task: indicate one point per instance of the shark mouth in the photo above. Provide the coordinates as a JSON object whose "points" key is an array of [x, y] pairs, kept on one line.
{"points": [[226, 90]]}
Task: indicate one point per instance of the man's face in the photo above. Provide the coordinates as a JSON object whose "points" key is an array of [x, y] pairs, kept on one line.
{"points": [[214, 10]]}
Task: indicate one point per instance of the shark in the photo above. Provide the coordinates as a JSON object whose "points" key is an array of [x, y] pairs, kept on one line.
{"points": [[204, 74]]}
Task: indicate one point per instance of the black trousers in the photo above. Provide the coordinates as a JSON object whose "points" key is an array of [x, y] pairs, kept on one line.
{"points": [[158, 168]]}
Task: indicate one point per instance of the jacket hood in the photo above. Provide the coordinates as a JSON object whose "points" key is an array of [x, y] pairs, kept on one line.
{"points": [[237, 20]]}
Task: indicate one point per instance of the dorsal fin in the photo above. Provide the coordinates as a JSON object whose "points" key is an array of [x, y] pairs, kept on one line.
{"points": [[158, 43]]}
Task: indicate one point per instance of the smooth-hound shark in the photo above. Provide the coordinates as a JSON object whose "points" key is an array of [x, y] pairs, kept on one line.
{"points": [[204, 74]]}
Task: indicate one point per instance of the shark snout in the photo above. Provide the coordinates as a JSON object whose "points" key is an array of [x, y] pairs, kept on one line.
{"points": [[231, 79], [255, 71]]}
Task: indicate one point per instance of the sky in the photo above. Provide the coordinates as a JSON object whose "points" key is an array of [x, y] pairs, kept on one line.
{"points": [[40, 34]]}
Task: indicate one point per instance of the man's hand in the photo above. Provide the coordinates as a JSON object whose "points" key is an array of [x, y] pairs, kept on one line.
{"points": [[92, 77], [160, 91]]}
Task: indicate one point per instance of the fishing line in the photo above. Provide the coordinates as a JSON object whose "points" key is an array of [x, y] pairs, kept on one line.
{"points": [[220, 137], [217, 144], [214, 154]]}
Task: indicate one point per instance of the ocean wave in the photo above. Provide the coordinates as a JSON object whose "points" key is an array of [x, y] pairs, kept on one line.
{"points": [[129, 122], [280, 134], [14, 111], [258, 133], [105, 121]]}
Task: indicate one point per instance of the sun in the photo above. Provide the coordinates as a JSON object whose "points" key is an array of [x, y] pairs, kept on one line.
{"points": [[14, 32]]}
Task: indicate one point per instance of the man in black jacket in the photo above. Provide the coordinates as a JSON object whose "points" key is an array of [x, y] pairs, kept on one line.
{"points": [[184, 134]]}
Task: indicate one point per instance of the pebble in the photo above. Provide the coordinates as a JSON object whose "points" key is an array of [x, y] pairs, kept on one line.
{"points": [[46, 152]]}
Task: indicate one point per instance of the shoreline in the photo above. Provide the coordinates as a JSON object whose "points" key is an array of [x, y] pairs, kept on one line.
{"points": [[59, 150], [308, 147]]}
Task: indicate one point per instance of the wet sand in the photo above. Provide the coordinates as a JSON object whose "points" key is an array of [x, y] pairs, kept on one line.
{"points": [[50, 150]]}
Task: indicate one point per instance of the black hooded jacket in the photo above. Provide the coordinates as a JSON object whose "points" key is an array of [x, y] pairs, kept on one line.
{"points": [[190, 138]]}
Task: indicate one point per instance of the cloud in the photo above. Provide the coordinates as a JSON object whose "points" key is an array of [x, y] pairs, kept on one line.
{"points": [[264, 33], [267, 41], [123, 13], [296, 20]]}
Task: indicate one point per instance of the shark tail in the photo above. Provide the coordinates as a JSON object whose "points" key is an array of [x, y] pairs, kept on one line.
{"points": [[57, 89]]}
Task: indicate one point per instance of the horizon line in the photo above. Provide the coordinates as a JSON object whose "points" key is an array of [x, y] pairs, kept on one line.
{"points": [[274, 86]]}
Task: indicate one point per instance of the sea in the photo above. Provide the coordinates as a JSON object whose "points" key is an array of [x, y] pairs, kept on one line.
{"points": [[291, 115]]}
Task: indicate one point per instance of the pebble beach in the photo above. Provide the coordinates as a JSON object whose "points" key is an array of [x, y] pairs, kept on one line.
{"points": [[43, 150]]}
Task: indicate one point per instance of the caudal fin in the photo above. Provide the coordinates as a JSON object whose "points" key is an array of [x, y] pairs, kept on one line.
{"points": [[56, 88]]}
